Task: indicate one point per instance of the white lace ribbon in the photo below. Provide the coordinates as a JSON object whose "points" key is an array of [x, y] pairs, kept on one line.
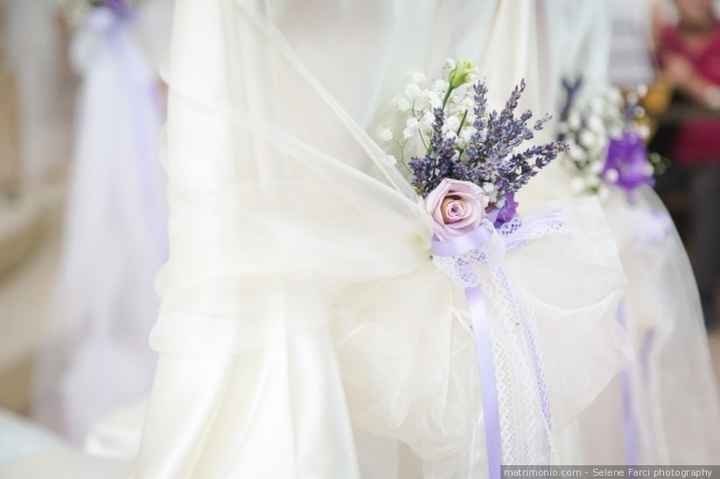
{"points": [[516, 412]]}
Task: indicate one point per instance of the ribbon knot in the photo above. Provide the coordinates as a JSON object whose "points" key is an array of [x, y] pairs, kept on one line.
{"points": [[461, 257]]}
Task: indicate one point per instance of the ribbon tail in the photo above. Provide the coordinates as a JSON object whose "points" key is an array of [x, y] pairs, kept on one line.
{"points": [[630, 425], [488, 381]]}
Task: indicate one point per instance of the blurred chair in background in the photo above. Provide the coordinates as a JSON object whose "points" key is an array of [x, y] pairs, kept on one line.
{"points": [[97, 358]]}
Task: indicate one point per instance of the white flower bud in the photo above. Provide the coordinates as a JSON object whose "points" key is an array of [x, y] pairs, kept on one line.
{"points": [[612, 175], [402, 104], [467, 133], [578, 185], [588, 139], [385, 134], [434, 99], [596, 124], [452, 123], [427, 120], [614, 96], [418, 77], [412, 91], [575, 152], [643, 131], [440, 86]]}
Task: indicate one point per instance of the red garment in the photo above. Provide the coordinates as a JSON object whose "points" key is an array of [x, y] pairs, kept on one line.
{"points": [[697, 140]]}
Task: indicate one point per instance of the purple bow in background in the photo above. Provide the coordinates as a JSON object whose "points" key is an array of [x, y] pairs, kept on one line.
{"points": [[627, 164], [120, 8]]}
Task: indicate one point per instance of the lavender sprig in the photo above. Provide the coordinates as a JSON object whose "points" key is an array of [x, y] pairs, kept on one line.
{"points": [[440, 161], [488, 157]]}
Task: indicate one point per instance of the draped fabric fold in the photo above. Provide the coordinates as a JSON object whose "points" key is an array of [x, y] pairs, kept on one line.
{"points": [[303, 320]]}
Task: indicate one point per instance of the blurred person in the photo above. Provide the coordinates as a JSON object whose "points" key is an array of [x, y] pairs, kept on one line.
{"points": [[690, 56]]}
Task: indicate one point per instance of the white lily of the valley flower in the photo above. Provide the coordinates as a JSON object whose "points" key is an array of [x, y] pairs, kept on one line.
{"points": [[440, 86], [612, 175], [614, 96], [412, 91], [427, 120], [467, 103], [588, 139], [433, 99], [411, 128], [402, 104], [578, 185], [385, 134], [575, 152], [596, 167], [467, 133], [452, 124], [596, 124], [418, 77]]}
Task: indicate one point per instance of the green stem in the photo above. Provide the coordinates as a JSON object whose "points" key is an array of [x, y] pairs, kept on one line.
{"points": [[447, 97], [422, 138], [462, 123]]}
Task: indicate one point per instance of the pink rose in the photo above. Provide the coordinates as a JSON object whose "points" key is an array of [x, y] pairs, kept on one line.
{"points": [[456, 206]]}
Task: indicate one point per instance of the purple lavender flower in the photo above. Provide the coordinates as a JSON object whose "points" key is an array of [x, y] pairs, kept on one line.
{"points": [[489, 156], [440, 162]]}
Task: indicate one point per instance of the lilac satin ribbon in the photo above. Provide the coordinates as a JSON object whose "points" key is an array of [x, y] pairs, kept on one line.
{"points": [[488, 382], [630, 423], [458, 246], [653, 227], [479, 240]]}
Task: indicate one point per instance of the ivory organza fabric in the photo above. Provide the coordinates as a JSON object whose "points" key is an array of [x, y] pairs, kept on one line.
{"points": [[304, 331]]}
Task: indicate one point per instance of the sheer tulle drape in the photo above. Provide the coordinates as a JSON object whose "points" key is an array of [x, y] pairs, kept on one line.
{"points": [[302, 320], [673, 395]]}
